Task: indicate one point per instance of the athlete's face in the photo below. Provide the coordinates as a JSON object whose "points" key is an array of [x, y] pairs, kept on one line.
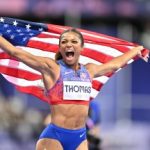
{"points": [[70, 48]]}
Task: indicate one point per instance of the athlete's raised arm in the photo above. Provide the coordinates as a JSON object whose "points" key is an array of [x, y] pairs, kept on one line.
{"points": [[114, 64], [41, 64]]}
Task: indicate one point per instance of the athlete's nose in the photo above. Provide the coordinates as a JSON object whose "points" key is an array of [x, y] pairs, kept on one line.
{"points": [[69, 44]]}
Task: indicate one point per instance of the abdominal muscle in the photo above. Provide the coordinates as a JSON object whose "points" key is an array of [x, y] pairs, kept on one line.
{"points": [[69, 116]]}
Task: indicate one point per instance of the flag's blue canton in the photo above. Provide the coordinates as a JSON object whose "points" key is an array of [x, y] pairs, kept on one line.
{"points": [[18, 32]]}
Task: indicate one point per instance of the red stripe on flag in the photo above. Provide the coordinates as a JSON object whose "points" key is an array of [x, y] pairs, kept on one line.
{"points": [[31, 90], [4, 55], [44, 35], [96, 85], [43, 46], [15, 72]]}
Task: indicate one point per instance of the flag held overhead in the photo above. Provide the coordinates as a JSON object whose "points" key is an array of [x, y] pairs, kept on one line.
{"points": [[42, 40]]}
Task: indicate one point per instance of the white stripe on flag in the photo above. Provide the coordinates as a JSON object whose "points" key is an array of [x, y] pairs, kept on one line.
{"points": [[46, 40], [49, 33], [102, 79], [98, 36], [104, 49], [94, 93], [38, 52], [20, 66], [23, 82]]}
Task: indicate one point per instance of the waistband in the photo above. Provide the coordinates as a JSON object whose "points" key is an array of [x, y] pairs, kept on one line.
{"points": [[67, 130]]}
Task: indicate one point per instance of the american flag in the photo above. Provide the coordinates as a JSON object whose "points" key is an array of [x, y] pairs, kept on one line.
{"points": [[42, 40]]}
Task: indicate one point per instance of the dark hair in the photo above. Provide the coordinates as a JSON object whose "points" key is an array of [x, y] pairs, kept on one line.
{"points": [[58, 55]]}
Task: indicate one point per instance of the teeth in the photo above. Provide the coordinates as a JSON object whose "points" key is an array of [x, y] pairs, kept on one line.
{"points": [[70, 50]]}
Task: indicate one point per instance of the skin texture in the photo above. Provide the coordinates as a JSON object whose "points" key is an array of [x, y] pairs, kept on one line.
{"points": [[65, 115]]}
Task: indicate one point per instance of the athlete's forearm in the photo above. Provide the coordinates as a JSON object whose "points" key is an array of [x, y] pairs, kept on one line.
{"points": [[8, 47], [114, 64], [123, 59], [20, 54]]}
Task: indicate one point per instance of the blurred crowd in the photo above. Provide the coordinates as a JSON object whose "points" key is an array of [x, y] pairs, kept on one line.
{"points": [[21, 122], [19, 125], [88, 8]]}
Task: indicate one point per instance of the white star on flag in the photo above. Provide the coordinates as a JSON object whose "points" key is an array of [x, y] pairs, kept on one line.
{"points": [[15, 23], [28, 27], [1, 19]]}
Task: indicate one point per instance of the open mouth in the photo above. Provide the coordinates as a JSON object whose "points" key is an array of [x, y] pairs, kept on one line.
{"points": [[69, 54]]}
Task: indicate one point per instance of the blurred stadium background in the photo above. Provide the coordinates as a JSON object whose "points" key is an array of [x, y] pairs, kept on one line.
{"points": [[124, 100]]}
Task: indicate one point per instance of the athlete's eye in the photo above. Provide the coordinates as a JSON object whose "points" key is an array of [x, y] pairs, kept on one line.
{"points": [[63, 42], [74, 42]]}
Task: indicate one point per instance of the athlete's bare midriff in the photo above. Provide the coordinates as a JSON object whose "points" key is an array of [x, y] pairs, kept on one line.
{"points": [[69, 116]]}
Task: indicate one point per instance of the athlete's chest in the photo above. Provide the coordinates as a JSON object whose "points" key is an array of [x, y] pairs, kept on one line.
{"points": [[76, 85]]}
